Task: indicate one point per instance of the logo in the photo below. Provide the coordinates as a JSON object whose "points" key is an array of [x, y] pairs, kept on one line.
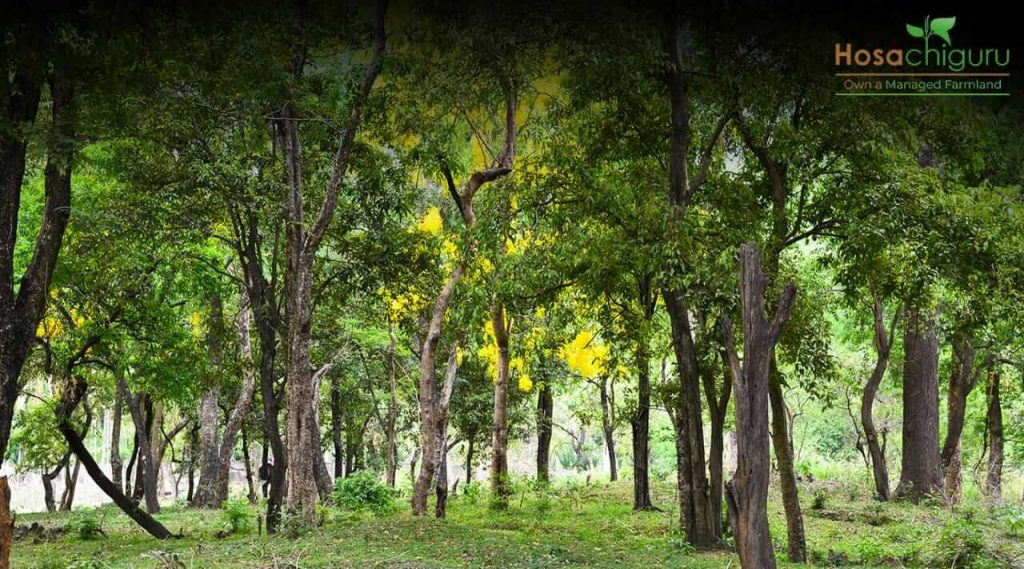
{"points": [[926, 64]]}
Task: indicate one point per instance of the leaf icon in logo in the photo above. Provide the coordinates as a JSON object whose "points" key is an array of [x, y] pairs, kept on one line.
{"points": [[941, 27], [915, 31]]}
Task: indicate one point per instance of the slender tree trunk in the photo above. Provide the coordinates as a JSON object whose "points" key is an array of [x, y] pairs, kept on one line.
{"points": [[747, 493], [545, 412], [209, 452], [994, 423], [641, 419], [336, 427], [441, 477], [70, 482], [391, 434], [961, 383], [883, 347], [921, 474], [697, 513], [21, 313], [608, 428], [433, 428], [249, 479], [718, 405], [145, 459], [796, 548], [116, 467], [470, 447], [499, 442], [131, 464], [65, 408], [48, 478]]}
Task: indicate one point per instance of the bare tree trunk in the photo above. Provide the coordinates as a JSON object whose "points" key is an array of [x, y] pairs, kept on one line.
{"points": [[6, 524], [70, 482], [249, 478], [433, 426], [641, 419], [391, 434], [994, 424], [21, 313], [883, 347], [718, 405], [336, 428], [747, 493], [499, 441], [145, 459], [796, 541], [921, 474], [209, 453], [471, 441], [961, 383], [608, 428], [441, 478], [116, 467], [545, 412]]}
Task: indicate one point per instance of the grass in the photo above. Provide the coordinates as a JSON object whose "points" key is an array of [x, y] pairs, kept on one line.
{"points": [[573, 526]]}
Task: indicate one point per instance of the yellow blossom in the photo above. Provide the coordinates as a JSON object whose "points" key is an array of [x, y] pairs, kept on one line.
{"points": [[431, 221]]}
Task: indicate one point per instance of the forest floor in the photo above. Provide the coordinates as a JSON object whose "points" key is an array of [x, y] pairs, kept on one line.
{"points": [[573, 526]]}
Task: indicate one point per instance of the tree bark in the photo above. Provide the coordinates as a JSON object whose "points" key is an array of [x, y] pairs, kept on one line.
{"points": [[921, 474], [500, 487], [470, 447], [433, 428], [116, 467], [545, 413], [608, 429], [391, 431], [640, 422], [747, 492], [961, 383], [796, 541], [336, 428], [696, 512], [718, 405], [994, 425], [145, 459], [6, 524], [21, 313], [883, 347]]}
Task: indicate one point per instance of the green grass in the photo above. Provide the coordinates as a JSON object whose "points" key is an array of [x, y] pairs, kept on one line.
{"points": [[591, 526]]}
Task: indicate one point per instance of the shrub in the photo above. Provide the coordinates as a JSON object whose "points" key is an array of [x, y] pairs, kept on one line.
{"points": [[363, 491], [86, 524], [236, 515], [962, 546]]}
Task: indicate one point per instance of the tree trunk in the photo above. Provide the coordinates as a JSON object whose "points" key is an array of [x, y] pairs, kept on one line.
{"points": [[608, 428], [128, 472], [48, 478], [994, 424], [209, 452], [116, 467], [65, 408], [21, 313], [921, 474], [433, 427], [499, 442], [640, 422], [718, 405], [796, 548], [70, 482], [249, 479], [391, 431], [696, 511], [545, 412], [145, 459], [6, 524], [961, 383], [471, 441], [441, 477], [336, 427], [747, 492], [883, 347]]}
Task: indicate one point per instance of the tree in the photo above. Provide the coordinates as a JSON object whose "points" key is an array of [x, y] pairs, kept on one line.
{"points": [[747, 492]]}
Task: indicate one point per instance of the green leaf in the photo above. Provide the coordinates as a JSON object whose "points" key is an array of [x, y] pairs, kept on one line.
{"points": [[941, 27], [915, 31]]}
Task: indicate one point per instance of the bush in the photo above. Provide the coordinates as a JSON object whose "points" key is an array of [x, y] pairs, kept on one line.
{"points": [[363, 491], [236, 515], [962, 546], [86, 524]]}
